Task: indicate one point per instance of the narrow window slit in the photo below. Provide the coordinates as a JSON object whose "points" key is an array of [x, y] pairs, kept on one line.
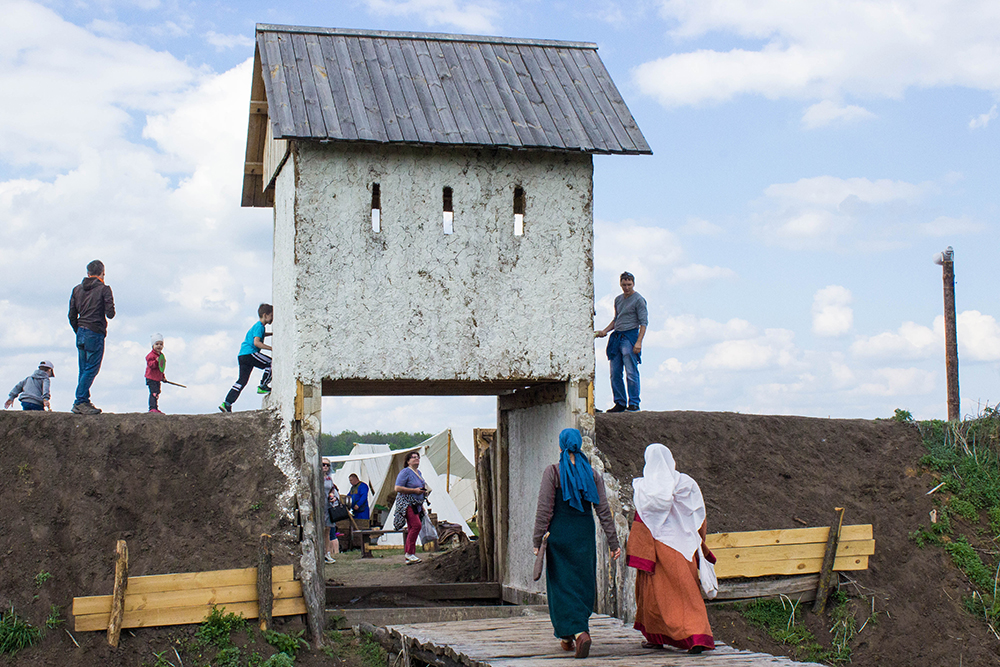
{"points": [[449, 212], [518, 211], [376, 208]]}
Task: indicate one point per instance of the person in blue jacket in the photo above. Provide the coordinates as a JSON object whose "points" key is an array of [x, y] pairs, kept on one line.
{"points": [[357, 499]]}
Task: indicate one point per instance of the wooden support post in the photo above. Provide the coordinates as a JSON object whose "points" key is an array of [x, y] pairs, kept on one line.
{"points": [[950, 335], [265, 592], [826, 573], [118, 596], [484, 513]]}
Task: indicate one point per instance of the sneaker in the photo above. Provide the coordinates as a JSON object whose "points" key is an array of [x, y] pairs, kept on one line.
{"points": [[330, 559], [225, 407], [156, 411], [618, 408], [413, 558], [85, 409], [633, 408], [263, 390]]}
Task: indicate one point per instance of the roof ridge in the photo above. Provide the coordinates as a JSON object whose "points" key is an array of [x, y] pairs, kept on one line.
{"points": [[429, 36]]}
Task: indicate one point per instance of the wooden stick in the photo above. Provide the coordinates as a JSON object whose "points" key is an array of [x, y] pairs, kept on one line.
{"points": [[176, 384], [118, 597], [265, 592], [826, 572]]}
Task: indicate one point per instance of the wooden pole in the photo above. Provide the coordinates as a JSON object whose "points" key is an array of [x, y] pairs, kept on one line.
{"points": [[447, 479], [950, 334], [826, 573], [118, 596], [265, 591]]}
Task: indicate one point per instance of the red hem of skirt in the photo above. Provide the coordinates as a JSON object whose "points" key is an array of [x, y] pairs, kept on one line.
{"points": [[640, 563], [705, 641]]}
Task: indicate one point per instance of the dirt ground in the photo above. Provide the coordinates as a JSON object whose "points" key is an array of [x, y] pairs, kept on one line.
{"points": [[187, 493], [764, 472]]}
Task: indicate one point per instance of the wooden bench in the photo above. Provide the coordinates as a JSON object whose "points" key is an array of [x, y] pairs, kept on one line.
{"points": [[366, 543]]}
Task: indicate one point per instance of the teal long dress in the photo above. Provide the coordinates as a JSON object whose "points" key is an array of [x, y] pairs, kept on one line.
{"points": [[571, 568]]}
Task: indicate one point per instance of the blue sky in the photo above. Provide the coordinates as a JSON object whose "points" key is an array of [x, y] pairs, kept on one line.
{"points": [[809, 160]]}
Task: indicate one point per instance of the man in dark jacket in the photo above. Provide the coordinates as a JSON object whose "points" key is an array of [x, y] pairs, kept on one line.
{"points": [[90, 307]]}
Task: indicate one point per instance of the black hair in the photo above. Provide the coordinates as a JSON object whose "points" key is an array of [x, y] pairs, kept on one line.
{"points": [[265, 309], [95, 268], [626, 276], [410, 456]]}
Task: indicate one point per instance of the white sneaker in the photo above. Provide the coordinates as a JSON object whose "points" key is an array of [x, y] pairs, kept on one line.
{"points": [[330, 559], [413, 558]]}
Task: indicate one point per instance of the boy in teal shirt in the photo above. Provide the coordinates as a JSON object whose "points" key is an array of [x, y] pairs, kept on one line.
{"points": [[250, 357]]}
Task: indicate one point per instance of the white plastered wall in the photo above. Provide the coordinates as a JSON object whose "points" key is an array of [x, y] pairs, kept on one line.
{"points": [[411, 302]]}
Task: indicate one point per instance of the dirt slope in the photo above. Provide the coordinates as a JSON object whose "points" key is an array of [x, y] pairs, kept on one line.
{"points": [[762, 472], [188, 493]]}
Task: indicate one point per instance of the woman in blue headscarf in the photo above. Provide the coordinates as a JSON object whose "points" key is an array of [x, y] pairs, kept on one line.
{"points": [[570, 491]]}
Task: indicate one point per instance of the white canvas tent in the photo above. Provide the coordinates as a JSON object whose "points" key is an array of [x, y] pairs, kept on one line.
{"points": [[378, 466]]}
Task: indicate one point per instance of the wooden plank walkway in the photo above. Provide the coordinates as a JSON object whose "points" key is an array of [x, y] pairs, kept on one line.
{"points": [[527, 641]]}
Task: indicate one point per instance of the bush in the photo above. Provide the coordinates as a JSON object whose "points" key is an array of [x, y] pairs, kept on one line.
{"points": [[289, 644], [279, 660], [219, 627]]}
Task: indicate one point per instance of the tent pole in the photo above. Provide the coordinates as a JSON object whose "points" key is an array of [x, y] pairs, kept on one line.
{"points": [[447, 479]]}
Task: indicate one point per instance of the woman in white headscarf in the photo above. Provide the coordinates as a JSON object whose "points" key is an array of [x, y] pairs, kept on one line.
{"points": [[665, 544]]}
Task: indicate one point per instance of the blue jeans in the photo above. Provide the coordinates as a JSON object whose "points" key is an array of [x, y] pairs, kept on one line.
{"points": [[28, 405], [90, 346], [624, 359]]}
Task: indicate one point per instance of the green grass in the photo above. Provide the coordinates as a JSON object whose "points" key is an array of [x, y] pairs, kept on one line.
{"points": [[41, 578], [16, 633], [54, 620], [965, 456]]}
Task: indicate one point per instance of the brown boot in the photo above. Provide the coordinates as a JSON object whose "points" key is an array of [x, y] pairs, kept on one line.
{"points": [[583, 645], [566, 643]]}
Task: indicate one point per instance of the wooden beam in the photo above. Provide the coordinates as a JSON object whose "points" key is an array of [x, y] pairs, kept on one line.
{"points": [[826, 571], [148, 618], [409, 387], [265, 588], [258, 107], [759, 538], [794, 551], [101, 604], [117, 613], [729, 570], [162, 583], [254, 168], [530, 397], [343, 595], [739, 590]]}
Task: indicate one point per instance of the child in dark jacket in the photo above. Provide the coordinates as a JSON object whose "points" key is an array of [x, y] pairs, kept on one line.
{"points": [[156, 363]]}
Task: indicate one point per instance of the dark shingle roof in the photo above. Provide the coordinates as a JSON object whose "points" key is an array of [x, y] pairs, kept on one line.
{"points": [[424, 88]]}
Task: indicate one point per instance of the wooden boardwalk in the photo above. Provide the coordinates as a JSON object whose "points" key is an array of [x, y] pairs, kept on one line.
{"points": [[527, 641]]}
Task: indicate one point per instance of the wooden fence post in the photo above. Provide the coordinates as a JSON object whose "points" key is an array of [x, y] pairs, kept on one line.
{"points": [[118, 596], [826, 573], [265, 592]]}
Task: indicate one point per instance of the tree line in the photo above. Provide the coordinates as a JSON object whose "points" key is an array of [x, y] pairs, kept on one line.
{"points": [[342, 443]]}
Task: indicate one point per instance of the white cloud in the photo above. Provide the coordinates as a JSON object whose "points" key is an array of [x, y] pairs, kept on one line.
{"points": [[826, 49], [700, 273], [223, 42], [81, 86], [774, 349], [898, 382], [982, 120], [469, 16], [831, 311], [689, 331], [833, 191], [947, 226], [699, 227], [826, 113], [818, 212], [643, 250], [978, 336], [911, 341]]}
